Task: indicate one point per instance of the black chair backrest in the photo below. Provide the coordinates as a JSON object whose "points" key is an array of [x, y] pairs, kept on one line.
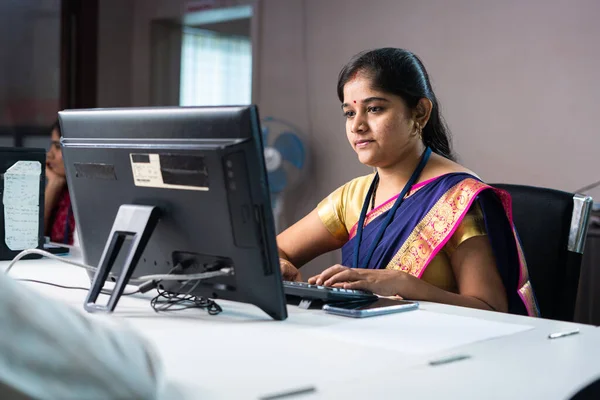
{"points": [[543, 221]]}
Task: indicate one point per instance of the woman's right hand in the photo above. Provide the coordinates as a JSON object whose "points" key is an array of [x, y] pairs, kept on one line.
{"points": [[54, 179], [289, 272]]}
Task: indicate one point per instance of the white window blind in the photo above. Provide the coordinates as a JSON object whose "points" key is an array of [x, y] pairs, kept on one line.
{"points": [[215, 69]]}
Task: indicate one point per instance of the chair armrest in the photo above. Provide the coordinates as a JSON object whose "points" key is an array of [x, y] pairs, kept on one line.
{"points": [[582, 208]]}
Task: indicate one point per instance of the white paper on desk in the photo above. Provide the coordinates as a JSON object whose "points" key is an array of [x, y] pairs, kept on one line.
{"points": [[417, 332], [21, 205]]}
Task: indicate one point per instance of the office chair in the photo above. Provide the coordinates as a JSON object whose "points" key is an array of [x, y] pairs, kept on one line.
{"points": [[552, 226]]}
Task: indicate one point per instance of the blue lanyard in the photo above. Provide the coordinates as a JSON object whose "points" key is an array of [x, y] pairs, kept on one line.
{"points": [[388, 218]]}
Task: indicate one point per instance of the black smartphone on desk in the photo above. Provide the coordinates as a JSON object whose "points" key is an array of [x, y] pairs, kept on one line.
{"points": [[361, 309], [56, 249]]}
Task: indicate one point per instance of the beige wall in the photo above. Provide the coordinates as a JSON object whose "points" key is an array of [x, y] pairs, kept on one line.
{"points": [[115, 43], [517, 81]]}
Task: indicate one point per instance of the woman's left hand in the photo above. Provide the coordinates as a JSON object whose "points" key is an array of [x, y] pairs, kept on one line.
{"points": [[383, 282]]}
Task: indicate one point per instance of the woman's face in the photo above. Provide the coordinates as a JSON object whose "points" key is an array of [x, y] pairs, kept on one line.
{"points": [[54, 160], [379, 125]]}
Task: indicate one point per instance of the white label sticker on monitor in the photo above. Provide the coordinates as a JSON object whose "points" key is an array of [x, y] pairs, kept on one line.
{"points": [[169, 171]]}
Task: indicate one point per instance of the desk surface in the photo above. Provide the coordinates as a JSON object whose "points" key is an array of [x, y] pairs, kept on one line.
{"points": [[242, 353]]}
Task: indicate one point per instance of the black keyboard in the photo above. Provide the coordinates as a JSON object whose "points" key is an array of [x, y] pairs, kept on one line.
{"points": [[324, 293]]}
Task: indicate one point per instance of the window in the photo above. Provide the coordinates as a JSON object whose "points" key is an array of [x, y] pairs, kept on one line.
{"points": [[216, 69]]}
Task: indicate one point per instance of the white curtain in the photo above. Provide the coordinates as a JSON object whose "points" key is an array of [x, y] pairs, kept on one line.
{"points": [[215, 69]]}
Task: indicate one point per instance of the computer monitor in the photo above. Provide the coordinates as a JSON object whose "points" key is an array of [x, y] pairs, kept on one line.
{"points": [[184, 189]]}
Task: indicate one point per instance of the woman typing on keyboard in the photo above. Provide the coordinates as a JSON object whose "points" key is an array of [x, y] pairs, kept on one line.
{"points": [[421, 226]]}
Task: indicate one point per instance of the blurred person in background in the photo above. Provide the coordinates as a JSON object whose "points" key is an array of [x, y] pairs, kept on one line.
{"points": [[59, 221]]}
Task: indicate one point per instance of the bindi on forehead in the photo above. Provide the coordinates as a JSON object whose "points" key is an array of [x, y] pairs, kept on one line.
{"points": [[354, 101]]}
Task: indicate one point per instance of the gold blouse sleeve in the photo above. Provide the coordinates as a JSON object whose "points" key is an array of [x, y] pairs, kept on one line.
{"points": [[331, 212], [340, 211], [472, 225]]}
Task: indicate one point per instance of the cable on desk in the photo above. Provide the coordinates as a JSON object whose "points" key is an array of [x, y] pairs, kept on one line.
{"points": [[187, 277], [170, 301], [164, 301], [156, 277], [104, 291], [46, 254]]}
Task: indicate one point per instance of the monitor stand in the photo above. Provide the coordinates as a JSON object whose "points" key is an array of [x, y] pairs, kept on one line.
{"points": [[133, 222]]}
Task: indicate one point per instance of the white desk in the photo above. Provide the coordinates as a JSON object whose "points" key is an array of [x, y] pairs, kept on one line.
{"points": [[242, 353]]}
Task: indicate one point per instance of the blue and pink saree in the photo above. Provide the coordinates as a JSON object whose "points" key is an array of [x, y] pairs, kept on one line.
{"points": [[427, 219]]}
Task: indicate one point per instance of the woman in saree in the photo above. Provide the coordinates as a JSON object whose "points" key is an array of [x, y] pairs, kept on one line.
{"points": [[422, 226]]}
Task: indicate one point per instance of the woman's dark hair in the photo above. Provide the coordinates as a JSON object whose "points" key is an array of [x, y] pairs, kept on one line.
{"points": [[400, 72], [56, 125]]}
